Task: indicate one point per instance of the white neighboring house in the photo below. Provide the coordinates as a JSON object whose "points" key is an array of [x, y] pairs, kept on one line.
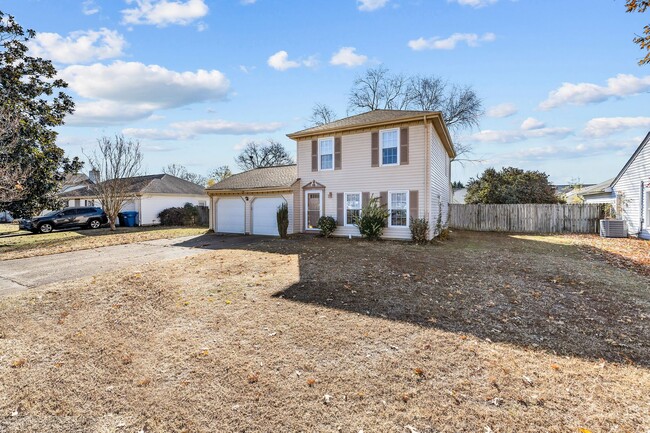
{"points": [[632, 191], [401, 157], [601, 193], [459, 196], [153, 194]]}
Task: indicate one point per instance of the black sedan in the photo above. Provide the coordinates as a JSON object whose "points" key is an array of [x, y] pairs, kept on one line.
{"points": [[71, 217]]}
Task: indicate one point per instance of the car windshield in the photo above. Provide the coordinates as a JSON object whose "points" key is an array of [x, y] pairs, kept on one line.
{"points": [[52, 213]]}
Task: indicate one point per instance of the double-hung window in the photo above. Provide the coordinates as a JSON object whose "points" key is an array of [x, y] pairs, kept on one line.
{"points": [[389, 144], [352, 207], [398, 204], [326, 153]]}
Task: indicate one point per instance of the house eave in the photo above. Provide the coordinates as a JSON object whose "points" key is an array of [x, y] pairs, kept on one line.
{"points": [[439, 124]]}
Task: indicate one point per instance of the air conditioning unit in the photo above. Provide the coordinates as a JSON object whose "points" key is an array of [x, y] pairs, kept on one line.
{"points": [[613, 229]]}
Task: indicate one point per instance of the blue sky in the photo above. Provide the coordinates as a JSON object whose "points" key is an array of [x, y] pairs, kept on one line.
{"points": [[194, 80]]}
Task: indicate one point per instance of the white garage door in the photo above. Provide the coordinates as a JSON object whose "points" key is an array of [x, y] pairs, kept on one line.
{"points": [[230, 215], [264, 215]]}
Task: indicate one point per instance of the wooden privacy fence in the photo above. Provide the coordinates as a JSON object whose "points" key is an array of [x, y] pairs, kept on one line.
{"points": [[521, 218]]}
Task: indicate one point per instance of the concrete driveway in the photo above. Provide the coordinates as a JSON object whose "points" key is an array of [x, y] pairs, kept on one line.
{"points": [[23, 274]]}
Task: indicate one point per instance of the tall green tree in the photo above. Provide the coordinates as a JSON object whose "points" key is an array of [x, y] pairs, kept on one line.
{"points": [[31, 93], [642, 40], [511, 186]]}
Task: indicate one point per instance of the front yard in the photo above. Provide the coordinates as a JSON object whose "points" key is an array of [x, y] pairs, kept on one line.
{"points": [[15, 244], [483, 333]]}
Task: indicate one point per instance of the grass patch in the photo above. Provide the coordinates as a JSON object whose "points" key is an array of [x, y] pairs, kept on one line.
{"points": [[16, 244], [336, 335]]}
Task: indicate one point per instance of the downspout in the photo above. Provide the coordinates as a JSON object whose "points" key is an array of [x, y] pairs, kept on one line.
{"points": [[427, 174], [641, 208]]}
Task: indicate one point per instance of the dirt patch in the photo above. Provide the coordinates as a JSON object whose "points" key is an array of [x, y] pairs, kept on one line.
{"points": [[17, 245], [628, 253], [482, 333]]}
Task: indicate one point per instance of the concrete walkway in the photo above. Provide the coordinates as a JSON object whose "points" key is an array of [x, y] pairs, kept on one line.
{"points": [[23, 274]]}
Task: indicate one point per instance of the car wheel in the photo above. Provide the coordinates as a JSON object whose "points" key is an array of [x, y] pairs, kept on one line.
{"points": [[94, 224], [45, 228]]}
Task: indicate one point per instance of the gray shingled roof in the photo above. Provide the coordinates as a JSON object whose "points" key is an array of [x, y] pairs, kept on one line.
{"points": [[270, 177], [375, 116], [150, 184], [597, 189]]}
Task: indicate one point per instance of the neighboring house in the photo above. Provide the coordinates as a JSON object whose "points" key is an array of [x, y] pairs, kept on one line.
{"points": [[601, 193], [77, 181], [632, 190], [401, 157], [571, 193], [153, 193], [459, 196]]}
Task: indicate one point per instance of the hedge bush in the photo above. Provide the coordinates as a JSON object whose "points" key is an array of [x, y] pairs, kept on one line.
{"points": [[419, 230], [282, 217], [187, 215], [373, 220], [327, 225]]}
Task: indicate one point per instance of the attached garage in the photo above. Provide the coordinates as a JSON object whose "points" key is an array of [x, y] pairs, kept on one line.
{"points": [[264, 210], [248, 202], [231, 215]]}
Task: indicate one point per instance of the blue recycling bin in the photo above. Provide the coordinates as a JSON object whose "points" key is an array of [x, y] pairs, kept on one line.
{"points": [[130, 218]]}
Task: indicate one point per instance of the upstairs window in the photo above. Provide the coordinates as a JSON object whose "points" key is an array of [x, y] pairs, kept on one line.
{"points": [[352, 208], [389, 144], [398, 204], [326, 153]]}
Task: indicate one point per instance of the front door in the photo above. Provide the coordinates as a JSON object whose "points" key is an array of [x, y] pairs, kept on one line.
{"points": [[314, 209]]}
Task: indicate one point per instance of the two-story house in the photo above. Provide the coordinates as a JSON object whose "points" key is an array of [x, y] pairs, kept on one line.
{"points": [[401, 157]]}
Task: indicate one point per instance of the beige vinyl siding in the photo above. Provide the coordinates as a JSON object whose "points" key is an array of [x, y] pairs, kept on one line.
{"points": [[357, 175], [440, 181], [628, 187]]}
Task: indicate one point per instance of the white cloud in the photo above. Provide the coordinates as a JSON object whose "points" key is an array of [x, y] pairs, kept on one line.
{"points": [[502, 110], [164, 12], [248, 2], [218, 126], [346, 56], [593, 148], [604, 126], [437, 43], [531, 123], [473, 3], [88, 7], [280, 61], [190, 129], [78, 47], [589, 93], [371, 5], [521, 134], [131, 90]]}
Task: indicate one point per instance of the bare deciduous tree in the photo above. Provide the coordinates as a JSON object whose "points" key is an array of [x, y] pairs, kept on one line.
{"points": [[219, 174], [377, 89], [460, 106], [321, 114], [12, 174], [175, 170], [115, 160], [181, 172], [258, 155]]}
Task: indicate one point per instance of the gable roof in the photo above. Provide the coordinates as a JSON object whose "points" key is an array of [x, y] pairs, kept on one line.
{"points": [[631, 160], [149, 184], [259, 178], [378, 118]]}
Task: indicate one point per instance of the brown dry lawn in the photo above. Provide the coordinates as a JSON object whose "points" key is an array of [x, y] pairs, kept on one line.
{"points": [[482, 333], [15, 244]]}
